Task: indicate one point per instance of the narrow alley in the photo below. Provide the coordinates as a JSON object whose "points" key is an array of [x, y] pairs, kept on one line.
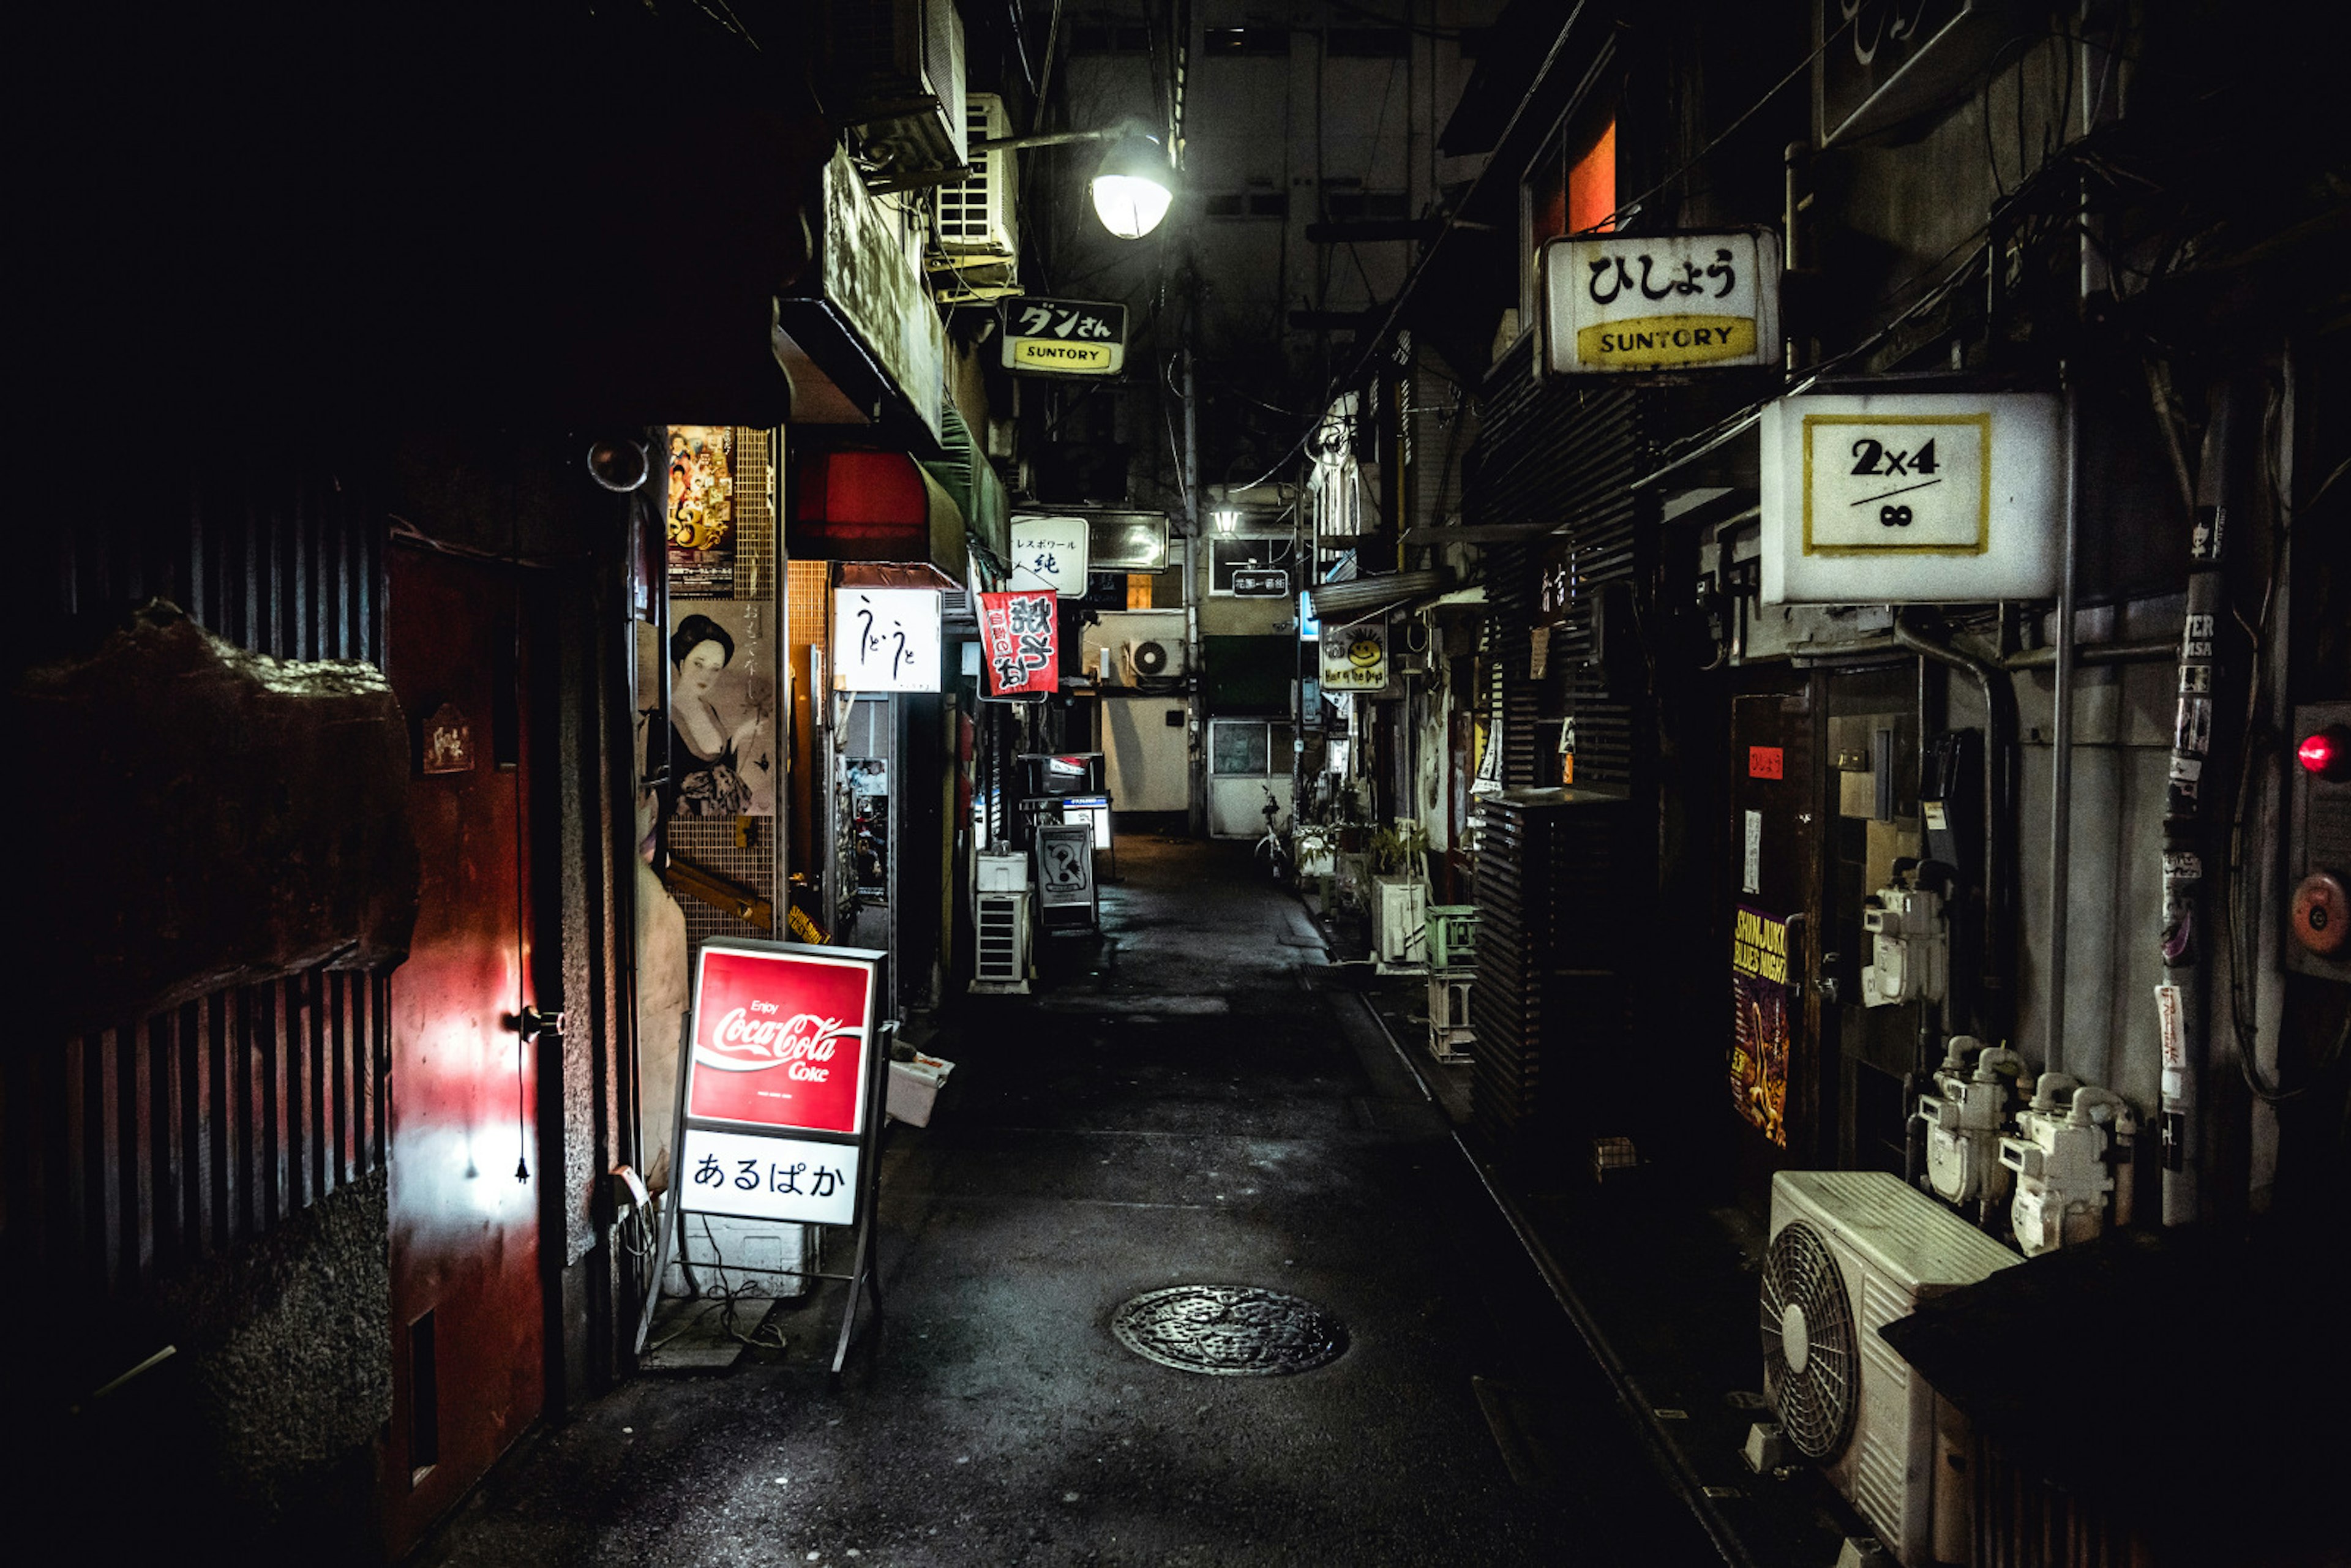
{"points": [[1195, 1097]]}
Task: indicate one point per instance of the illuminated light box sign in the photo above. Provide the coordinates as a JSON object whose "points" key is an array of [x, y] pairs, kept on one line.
{"points": [[1355, 658], [783, 1081], [1065, 337], [885, 639], [1940, 497], [1660, 305], [1051, 552]]}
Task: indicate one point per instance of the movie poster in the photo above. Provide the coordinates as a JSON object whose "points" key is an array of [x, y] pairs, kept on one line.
{"points": [[701, 510], [1761, 1002]]}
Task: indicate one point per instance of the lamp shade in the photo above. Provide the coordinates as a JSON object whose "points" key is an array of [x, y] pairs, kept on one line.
{"points": [[1134, 186]]}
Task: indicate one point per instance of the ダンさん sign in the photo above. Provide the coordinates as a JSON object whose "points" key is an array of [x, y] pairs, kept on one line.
{"points": [[1065, 337], [781, 1080], [1661, 304]]}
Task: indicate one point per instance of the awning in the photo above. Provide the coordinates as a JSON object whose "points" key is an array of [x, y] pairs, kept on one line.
{"points": [[1338, 602], [875, 506]]}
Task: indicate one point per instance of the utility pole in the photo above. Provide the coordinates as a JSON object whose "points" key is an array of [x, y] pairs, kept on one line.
{"points": [[1197, 724]]}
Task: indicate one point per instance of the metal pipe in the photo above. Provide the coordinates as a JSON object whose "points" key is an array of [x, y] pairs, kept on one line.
{"points": [[1196, 820], [2189, 814], [2142, 652], [2060, 770], [1991, 1021]]}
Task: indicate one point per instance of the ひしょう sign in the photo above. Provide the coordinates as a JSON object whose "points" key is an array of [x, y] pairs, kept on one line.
{"points": [[1617, 304]]}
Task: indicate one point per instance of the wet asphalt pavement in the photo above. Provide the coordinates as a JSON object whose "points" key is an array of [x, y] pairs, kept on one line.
{"points": [[1195, 1097]]}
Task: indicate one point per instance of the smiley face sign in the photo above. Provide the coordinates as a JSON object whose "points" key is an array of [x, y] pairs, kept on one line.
{"points": [[1355, 658]]}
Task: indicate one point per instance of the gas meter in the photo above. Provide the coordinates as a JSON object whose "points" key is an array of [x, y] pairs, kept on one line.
{"points": [[1910, 941]]}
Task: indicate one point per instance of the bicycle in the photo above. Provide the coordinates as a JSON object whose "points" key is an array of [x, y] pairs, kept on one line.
{"points": [[1273, 849]]}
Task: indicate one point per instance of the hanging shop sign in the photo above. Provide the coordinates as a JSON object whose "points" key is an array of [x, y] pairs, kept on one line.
{"points": [[1065, 337], [1661, 304], [781, 1083], [1261, 583], [858, 334], [1760, 998], [1127, 542], [885, 639], [1919, 497], [1355, 658], [1051, 552], [1022, 649]]}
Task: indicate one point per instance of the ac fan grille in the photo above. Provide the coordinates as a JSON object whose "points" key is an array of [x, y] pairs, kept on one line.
{"points": [[1815, 1404]]}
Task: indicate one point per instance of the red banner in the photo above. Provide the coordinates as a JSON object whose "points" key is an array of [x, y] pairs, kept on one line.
{"points": [[1018, 635], [780, 1039]]}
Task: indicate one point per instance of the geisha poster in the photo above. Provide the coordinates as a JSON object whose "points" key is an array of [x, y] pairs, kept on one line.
{"points": [[701, 509], [722, 708], [1022, 644], [1760, 1003]]}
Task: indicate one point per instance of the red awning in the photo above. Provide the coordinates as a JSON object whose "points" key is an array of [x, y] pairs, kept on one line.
{"points": [[875, 506]]}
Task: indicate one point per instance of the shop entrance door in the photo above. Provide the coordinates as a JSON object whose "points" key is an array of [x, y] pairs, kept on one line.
{"points": [[467, 1318], [1778, 1085]]}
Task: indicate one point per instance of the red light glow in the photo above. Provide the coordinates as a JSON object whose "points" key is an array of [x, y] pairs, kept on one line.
{"points": [[2320, 753]]}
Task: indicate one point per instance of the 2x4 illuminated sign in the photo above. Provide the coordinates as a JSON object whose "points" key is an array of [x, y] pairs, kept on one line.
{"points": [[1660, 304], [1065, 337], [1923, 497]]}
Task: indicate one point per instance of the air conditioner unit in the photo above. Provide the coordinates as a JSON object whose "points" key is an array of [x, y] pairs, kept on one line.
{"points": [[1400, 924], [893, 69], [1152, 659], [974, 251], [1000, 945], [1852, 1251]]}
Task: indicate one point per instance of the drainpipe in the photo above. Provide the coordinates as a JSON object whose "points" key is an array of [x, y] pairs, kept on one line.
{"points": [[2189, 814], [1196, 791], [2060, 772], [1991, 1021]]}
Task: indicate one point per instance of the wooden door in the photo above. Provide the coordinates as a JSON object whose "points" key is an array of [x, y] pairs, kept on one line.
{"points": [[468, 1323]]}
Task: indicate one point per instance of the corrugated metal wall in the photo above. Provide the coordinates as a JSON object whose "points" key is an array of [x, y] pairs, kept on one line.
{"points": [[1558, 455], [135, 1149]]}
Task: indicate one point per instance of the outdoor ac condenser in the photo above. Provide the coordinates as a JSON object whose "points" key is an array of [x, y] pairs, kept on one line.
{"points": [[1000, 948], [1852, 1251], [976, 234], [894, 69]]}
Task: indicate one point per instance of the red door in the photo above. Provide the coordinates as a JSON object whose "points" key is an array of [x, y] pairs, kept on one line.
{"points": [[468, 1373]]}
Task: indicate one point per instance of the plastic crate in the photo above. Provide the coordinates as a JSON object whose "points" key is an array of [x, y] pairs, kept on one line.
{"points": [[1452, 936], [1451, 1035]]}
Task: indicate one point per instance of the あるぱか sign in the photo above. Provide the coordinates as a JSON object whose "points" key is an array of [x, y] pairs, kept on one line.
{"points": [[780, 1039]]}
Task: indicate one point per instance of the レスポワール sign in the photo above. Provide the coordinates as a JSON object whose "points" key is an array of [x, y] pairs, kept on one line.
{"points": [[1912, 497], [782, 1083], [1065, 337], [1355, 658], [1019, 640], [1051, 552], [1656, 304], [1759, 1039]]}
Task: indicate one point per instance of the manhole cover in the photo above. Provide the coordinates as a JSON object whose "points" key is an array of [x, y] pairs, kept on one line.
{"points": [[1228, 1331]]}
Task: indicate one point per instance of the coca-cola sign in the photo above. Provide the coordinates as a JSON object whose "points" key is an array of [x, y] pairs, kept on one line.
{"points": [[779, 1041]]}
